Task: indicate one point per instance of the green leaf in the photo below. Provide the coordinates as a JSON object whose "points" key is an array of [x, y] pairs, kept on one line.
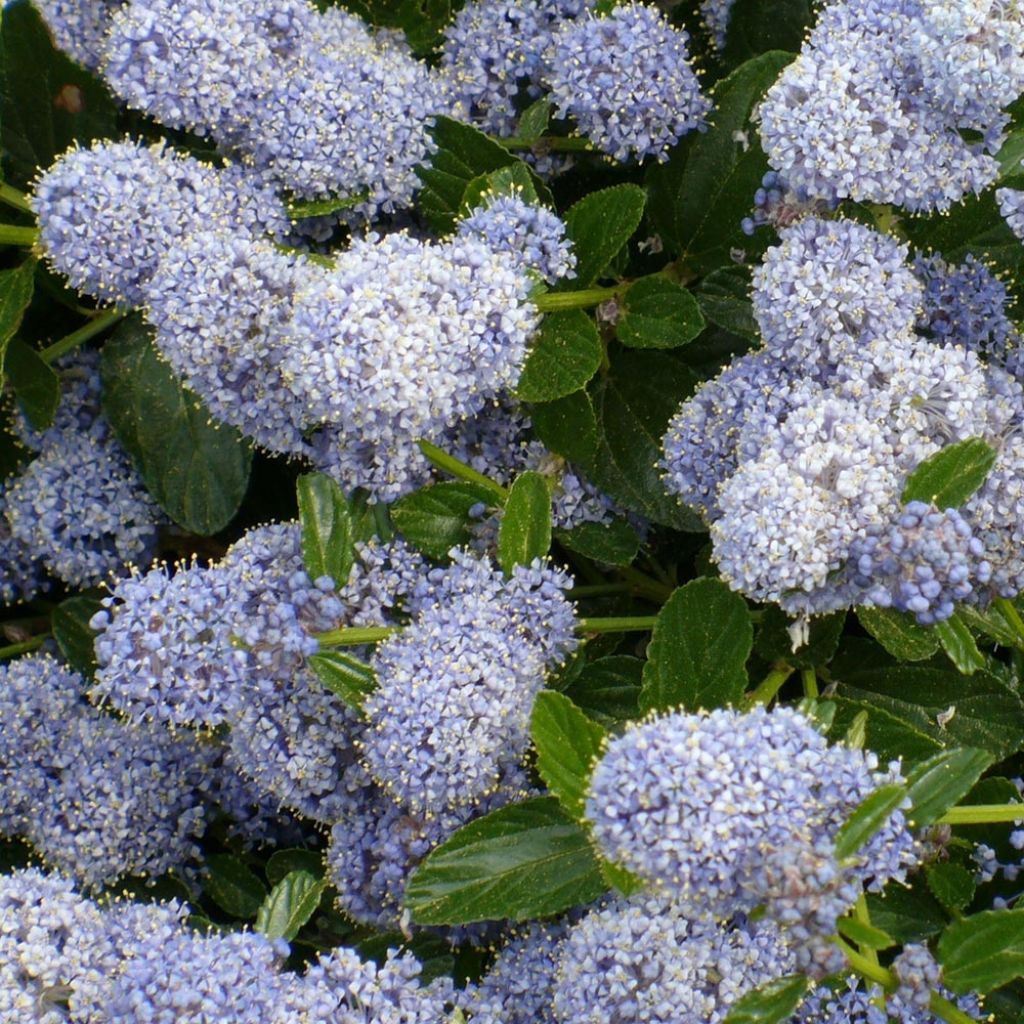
{"points": [[991, 623], [598, 226], [421, 22], [565, 354], [958, 642], [699, 196], [284, 862], [865, 935], [951, 884], [724, 299], [515, 179], [608, 689], [568, 427], [35, 385], [534, 120], [233, 886], [658, 314], [614, 543], [934, 701], [523, 861], [870, 815], [699, 649], [942, 781], [759, 25], [898, 633], [890, 737], [525, 531], [49, 102], [195, 469], [436, 519], [774, 642], [983, 952], [769, 1003], [633, 402], [568, 744], [301, 209], [345, 676], [951, 475], [909, 913], [328, 545], [69, 623], [289, 905], [16, 287], [462, 154], [619, 878]]}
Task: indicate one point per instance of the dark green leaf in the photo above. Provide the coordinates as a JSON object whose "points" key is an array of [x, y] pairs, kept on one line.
{"points": [[772, 1002], [899, 634], [991, 623], [436, 519], [951, 884], [196, 469], [633, 402], [821, 713], [345, 676], [658, 314], [525, 531], [908, 913], [871, 814], [568, 743], [775, 643], [942, 781], [759, 25], [598, 226], [70, 626], [958, 642], [515, 179], [284, 862], [328, 547], [565, 354], [983, 952], [568, 427], [865, 935], [49, 102], [462, 154], [289, 905], [421, 22], [35, 385], [621, 879], [299, 210], [614, 543], [699, 649], [233, 886], [986, 714], [16, 287], [523, 861], [724, 299], [701, 194], [950, 476], [856, 735], [534, 120], [887, 735], [608, 689]]}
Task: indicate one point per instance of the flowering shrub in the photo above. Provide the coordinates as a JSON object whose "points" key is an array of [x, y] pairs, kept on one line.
{"points": [[511, 512]]}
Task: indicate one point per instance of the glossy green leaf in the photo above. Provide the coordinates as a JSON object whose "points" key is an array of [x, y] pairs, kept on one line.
{"points": [[774, 640], [614, 543], [515, 179], [345, 676], [699, 649], [770, 1003], [951, 884], [870, 815], [865, 935], [656, 313], [958, 642], [983, 952], [523, 861], [534, 120], [284, 862], [568, 427], [525, 531], [598, 226], [196, 469], [889, 736], [759, 25], [899, 634], [35, 385], [724, 299], [328, 546], [568, 744], [908, 913], [16, 288], [437, 518], [608, 689], [289, 905], [564, 355], [69, 623], [233, 886], [950, 476], [943, 781]]}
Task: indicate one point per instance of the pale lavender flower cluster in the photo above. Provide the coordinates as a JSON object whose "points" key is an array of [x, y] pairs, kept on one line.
{"points": [[724, 811], [456, 686], [852, 1002], [79, 27], [626, 81], [877, 106], [775, 203], [1011, 206]]}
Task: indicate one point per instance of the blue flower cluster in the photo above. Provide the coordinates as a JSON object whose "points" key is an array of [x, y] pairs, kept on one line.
{"points": [[797, 454], [882, 101], [851, 1002], [722, 812], [78, 510]]}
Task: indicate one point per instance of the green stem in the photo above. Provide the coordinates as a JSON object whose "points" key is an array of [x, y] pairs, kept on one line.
{"points": [[549, 144], [644, 584], [25, 646], [810, 680], [553, 302], [353, 636], [96, 325], [862, 914], [769, 687], [455, 467], [982, 814], [1009, 612], [600, 590], [12, 197], [948, 1011], [623, 624], [13, 234]]}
